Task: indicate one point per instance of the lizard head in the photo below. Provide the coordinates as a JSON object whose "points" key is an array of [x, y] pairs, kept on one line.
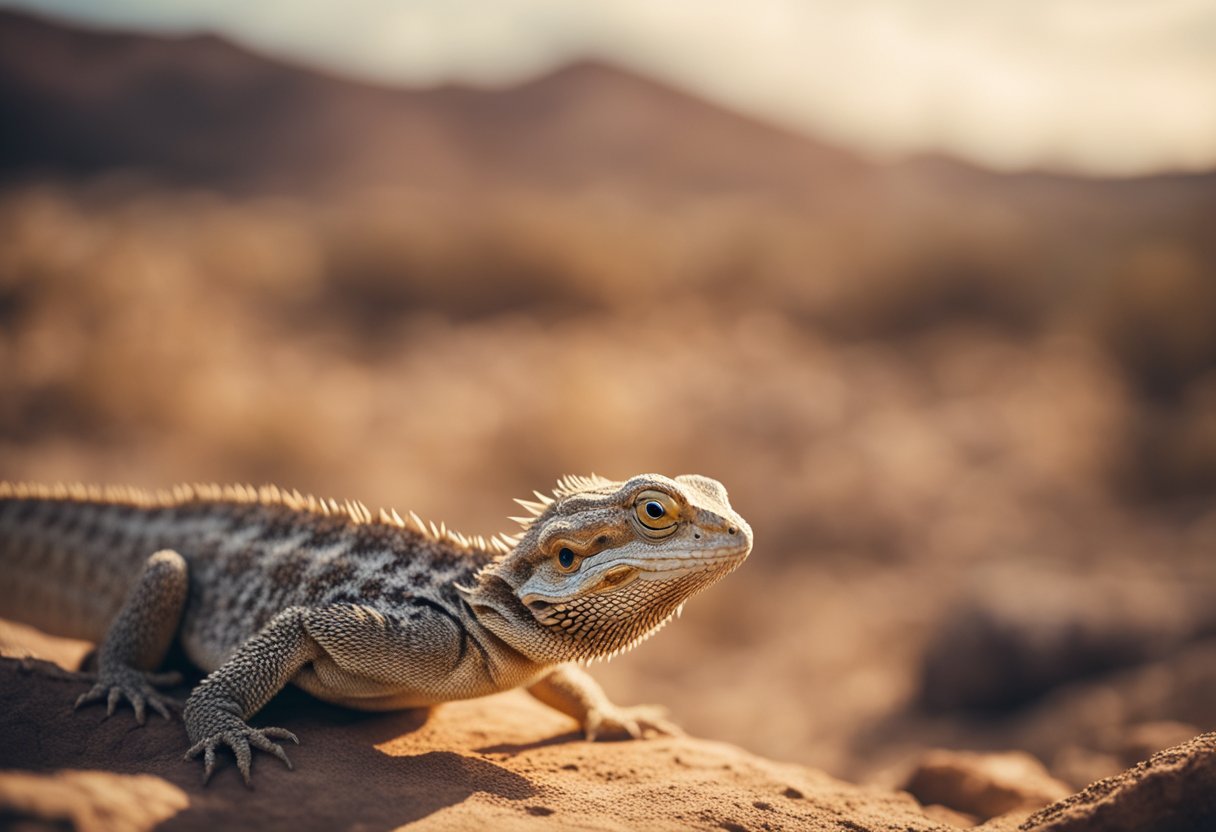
{"points": [[602, 565]]}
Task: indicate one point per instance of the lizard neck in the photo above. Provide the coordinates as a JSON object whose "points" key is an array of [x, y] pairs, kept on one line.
{"points": [[499, 611]]}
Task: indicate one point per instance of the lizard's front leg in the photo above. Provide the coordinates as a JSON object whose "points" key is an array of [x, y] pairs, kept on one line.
{"points": [[140, 637], [216, 712], [573, 692]]}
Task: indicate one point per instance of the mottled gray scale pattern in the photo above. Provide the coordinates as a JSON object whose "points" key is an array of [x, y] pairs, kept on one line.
{"points": [[292, 558], [247, 558]]}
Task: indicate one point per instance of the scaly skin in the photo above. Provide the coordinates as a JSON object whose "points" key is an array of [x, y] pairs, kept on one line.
{"points": [[263, 588]]}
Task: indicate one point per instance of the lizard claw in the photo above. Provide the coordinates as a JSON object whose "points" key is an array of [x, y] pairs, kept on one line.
{"points": [[136, 687], [639, 722], [240, 741]]}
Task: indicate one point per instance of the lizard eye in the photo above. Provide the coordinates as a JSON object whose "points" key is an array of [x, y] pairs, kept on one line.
{"points": [[657, 513], [565, 557]]}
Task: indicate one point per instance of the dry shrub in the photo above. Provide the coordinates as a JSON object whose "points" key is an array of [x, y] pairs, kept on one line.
{"points": [[926, 394]]}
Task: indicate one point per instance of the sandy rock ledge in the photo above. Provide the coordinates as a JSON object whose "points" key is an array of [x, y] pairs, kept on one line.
{"points": [[504, 763], [500, 763]]}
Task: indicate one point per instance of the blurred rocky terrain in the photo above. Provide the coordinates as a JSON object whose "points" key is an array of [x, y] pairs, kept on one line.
{"points": [[971, 416]]}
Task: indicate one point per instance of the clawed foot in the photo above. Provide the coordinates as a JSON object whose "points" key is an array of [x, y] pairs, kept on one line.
{"points": [[137, 687], [240, 740], [639, 722]]}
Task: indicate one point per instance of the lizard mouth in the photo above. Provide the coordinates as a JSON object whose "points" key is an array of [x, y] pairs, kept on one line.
{"points": [[706, 560]]}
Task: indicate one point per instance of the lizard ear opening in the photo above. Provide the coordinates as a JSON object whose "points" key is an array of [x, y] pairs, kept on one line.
{"points": [[543, 611]]}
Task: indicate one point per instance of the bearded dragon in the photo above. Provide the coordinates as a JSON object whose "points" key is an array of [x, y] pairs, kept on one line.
{"points": [[262, 587]]}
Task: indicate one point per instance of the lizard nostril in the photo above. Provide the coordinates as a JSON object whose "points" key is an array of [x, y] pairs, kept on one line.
{"points": [[733, 530]]}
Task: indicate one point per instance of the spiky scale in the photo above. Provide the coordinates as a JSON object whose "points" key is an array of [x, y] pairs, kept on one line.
{"points": [[532, 507]]}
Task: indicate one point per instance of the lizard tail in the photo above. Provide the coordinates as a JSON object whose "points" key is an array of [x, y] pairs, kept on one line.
{"points": [[65, 564]]}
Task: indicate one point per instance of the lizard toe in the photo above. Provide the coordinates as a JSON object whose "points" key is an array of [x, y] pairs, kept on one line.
{"points": [[239, 744], [659, 727], [115, 696], [208, 762], [281, 734], [136, 687], [641, 722], [140, 704], [93, 694], [259, 741], [163, 706], [591, 725], [207, 748], [241, 741]]}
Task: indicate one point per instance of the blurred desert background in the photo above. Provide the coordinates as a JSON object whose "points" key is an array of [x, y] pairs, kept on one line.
{"points": [[969, 409]]}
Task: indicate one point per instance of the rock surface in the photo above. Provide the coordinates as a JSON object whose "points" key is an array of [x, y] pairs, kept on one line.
{"points": [[507, 762], [1172, 791], [984, 785], [504, 762]]}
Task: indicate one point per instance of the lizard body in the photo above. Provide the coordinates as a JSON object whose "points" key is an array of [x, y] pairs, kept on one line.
{"points": [[263, 588]]}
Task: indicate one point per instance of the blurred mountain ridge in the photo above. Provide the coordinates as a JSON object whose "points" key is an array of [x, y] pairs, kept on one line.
{"points": [[201, 110]]}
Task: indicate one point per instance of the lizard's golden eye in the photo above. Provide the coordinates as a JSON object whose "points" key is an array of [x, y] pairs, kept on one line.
{"points": [[657, 512]]}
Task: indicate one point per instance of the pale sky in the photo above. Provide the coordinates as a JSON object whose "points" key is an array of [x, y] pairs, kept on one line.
{"points": [[1099, 86]]}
